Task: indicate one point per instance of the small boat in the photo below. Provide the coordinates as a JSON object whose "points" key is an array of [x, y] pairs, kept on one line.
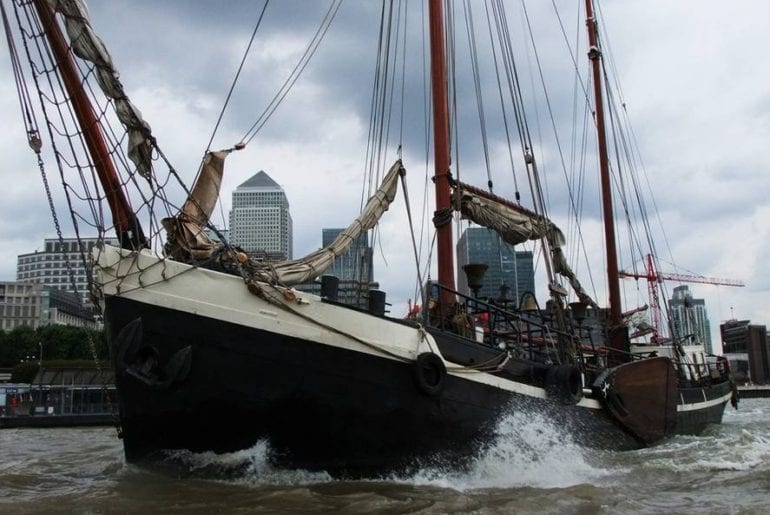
{"points": [[214, 350], [59, 397]]}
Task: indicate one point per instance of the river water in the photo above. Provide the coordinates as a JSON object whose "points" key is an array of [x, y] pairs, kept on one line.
{"points": [[531, 468]]}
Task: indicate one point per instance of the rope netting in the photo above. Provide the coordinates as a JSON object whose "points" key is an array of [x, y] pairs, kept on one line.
{"points": [[152, 188]]}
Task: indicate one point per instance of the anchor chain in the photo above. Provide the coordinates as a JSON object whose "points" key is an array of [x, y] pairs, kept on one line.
{"points": [[36, 145]]}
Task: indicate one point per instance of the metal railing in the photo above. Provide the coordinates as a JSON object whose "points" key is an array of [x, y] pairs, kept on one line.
{"points": [[541, 335]]}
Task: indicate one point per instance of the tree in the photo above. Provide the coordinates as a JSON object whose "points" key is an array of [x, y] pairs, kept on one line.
{"points": [[57, 342], [22, 344], [7, 358], [24, 372], [67, 342]]}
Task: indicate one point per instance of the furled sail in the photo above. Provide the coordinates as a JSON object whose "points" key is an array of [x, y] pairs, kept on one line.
{"points": [[186, 239], [306, 269], [88, 46], [516, 224]]}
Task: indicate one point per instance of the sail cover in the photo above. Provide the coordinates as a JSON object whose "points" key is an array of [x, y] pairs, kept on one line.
{"points": [[88, 46], [303, 270], [516, 224], [186, 238]]}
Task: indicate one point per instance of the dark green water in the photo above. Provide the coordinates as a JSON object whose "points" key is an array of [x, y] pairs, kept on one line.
{"points": [[531, 468]]}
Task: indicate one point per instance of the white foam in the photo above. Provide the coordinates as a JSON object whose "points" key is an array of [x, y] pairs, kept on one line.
{"points": [[528, 450], [247, 465], [723, 449]]}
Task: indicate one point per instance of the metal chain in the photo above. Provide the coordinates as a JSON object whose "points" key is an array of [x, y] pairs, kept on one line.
{"points": [[36, 145]]}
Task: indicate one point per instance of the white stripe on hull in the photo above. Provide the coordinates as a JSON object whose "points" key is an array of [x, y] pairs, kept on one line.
{"points": [[694, 406]]}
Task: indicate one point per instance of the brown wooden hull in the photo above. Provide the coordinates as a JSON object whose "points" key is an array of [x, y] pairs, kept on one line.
{"points": [[642, 397]]}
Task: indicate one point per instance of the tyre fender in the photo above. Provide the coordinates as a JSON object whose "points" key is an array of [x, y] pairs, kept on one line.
{"points": [[564, 383], [429, 373]]}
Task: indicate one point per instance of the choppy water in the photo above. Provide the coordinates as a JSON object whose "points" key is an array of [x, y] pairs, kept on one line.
{"points": [[530, 468]]}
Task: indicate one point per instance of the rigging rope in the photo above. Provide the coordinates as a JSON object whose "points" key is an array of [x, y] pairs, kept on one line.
{"points": [[379, 115], [420, 290], [25, 101], [411, 231], [237, 75], [503, 110], [295, 73], [510, 69], [470, 31]]}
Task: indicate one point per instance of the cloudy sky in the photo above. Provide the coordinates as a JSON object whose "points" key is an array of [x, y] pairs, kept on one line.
{"points": [[693, 74]]}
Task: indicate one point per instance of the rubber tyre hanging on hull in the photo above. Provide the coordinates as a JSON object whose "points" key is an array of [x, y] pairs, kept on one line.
{"points": [[564, 383], [429, 373]]}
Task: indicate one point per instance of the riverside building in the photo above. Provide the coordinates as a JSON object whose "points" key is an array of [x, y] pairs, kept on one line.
{"points": [[35, 305], [60, 265]]}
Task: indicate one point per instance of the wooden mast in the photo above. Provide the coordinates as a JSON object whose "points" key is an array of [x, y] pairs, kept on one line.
{"points": [[129, 232], [617, 330], [444, 243]]}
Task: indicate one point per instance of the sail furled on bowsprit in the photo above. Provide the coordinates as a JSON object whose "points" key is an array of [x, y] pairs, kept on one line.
{"points": [[186, 239]]}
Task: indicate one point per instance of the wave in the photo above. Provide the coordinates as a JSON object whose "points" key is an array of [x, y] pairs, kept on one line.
{"points": [[528, 449]]}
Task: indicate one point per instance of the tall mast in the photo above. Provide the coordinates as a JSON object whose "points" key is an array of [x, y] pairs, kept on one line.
{"points": [[617, 337], [444, 241], [129, 232]]}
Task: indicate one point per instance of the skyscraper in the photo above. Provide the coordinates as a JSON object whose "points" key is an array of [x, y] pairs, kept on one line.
{"points": [[507, 266], [260, 221], [353, 268], [355, 264], [689, 316]]}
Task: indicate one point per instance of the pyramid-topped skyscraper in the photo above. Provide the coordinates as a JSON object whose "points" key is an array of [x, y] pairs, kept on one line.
{"points": [[260, 221]]}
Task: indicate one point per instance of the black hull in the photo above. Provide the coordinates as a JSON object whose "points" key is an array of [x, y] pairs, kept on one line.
{"points": [[700, 407], [197, 383]]}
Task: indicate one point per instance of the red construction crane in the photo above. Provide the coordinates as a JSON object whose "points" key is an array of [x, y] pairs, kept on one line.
{"points": [[654, 278]]}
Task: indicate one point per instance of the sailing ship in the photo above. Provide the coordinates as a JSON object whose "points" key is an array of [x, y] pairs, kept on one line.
{"points": [[214, 350]]}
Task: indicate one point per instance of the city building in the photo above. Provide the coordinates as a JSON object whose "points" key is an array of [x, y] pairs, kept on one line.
{"points": [[260, 222], [356, 262], [746, 346], [216, 234], [35, 305], [353, 269], [689, 317], [59, 264], [506, 266]]}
